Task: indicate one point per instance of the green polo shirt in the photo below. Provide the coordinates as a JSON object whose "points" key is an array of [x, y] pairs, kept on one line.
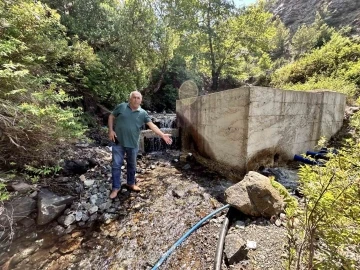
{"points": [[128, 124]]}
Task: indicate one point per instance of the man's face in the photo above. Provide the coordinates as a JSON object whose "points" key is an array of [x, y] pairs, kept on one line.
{"points": [[135, 100]]}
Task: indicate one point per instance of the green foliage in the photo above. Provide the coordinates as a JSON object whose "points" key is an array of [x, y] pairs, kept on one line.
{"points": [[176, 73], [34, 173], [291, 202], [217, 38], [4, 195], [281, 40], [334, 66], [309, 37], [324, 83], [322, 232], [37, 69]]}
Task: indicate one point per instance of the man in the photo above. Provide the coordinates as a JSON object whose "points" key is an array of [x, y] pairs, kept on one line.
{"points": [[129, 118]]}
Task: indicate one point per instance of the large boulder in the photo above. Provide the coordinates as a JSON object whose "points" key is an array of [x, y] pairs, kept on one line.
{"points": [[50, 206], [15, 210], [255, 196]]}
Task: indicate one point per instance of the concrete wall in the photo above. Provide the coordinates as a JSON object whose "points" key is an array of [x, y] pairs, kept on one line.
{"points": [[247, 127]]}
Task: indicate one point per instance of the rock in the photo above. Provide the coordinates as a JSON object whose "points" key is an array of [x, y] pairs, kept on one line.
{"points": [[89, 183], [70, 219], [70, 228], [33, 194], [27, 222], [20, 187], [278, 222], [59, 230], [240, 224], [19, 256], [255, 196], [234, 248], [16, 210], [250, 244], [78, 215], [339, 13], [187, 167], [93, 210], [93, 199], [63, 179], [78, 166], [178, 193], [51, 206]]}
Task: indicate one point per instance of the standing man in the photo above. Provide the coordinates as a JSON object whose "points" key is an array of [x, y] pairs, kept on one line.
{"points": [[129, 118]]}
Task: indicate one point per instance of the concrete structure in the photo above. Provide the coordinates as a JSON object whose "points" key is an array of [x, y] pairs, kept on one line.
{"points": [[249, 127]]}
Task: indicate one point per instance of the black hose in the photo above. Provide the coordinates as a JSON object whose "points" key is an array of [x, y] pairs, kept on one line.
{"points": [[220, 244]]}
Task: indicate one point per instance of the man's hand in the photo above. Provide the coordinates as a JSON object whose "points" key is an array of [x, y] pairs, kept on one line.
{"points": [[112, 135], [167, 138]]}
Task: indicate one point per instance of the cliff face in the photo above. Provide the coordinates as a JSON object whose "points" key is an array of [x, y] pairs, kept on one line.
{"points": [[340, 13]]}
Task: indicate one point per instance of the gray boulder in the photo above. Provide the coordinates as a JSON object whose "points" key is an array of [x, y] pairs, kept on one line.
{"points": [[50, 206]]}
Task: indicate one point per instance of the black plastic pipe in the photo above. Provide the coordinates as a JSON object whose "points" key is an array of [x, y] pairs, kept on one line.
{"points": [[220, 243]]}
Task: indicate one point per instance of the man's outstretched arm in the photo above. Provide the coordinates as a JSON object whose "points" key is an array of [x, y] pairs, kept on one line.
{"points": [[165, 137]]}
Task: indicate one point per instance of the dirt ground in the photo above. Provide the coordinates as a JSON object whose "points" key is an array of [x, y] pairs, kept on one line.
{"points": [[175, 196]]}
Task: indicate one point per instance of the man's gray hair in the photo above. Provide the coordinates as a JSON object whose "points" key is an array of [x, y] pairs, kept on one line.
{"points": [[133, 92]]}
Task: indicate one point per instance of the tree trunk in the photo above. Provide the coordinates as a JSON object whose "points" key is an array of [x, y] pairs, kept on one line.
{"points": [[215, 80]]}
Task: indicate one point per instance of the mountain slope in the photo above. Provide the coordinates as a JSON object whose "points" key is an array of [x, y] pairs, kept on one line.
{"points": [[339, 13]]}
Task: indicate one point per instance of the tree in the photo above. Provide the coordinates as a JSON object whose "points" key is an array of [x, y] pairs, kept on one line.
{"points": [[216, 36], [309, 37]]}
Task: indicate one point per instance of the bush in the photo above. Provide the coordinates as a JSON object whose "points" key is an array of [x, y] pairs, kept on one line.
{"points": [[31, 133], [328, 67], [327, 227]]}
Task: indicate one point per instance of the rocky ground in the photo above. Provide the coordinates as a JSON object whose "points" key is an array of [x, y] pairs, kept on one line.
{"points": [[134, 230]]}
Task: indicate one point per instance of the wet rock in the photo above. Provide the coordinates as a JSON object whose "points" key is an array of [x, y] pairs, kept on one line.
{"points": [[51, 205], [234, 248], [16, 210], [255, 196]]}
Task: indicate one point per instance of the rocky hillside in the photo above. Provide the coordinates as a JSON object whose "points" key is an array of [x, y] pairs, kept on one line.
{"points": [[339, 12]]}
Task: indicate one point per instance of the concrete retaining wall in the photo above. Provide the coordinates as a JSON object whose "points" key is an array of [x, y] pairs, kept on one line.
{"points": [[247, 127]]}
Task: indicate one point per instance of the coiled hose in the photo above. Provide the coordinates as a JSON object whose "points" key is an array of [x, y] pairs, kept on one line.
{"points": [[194, 228]]}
